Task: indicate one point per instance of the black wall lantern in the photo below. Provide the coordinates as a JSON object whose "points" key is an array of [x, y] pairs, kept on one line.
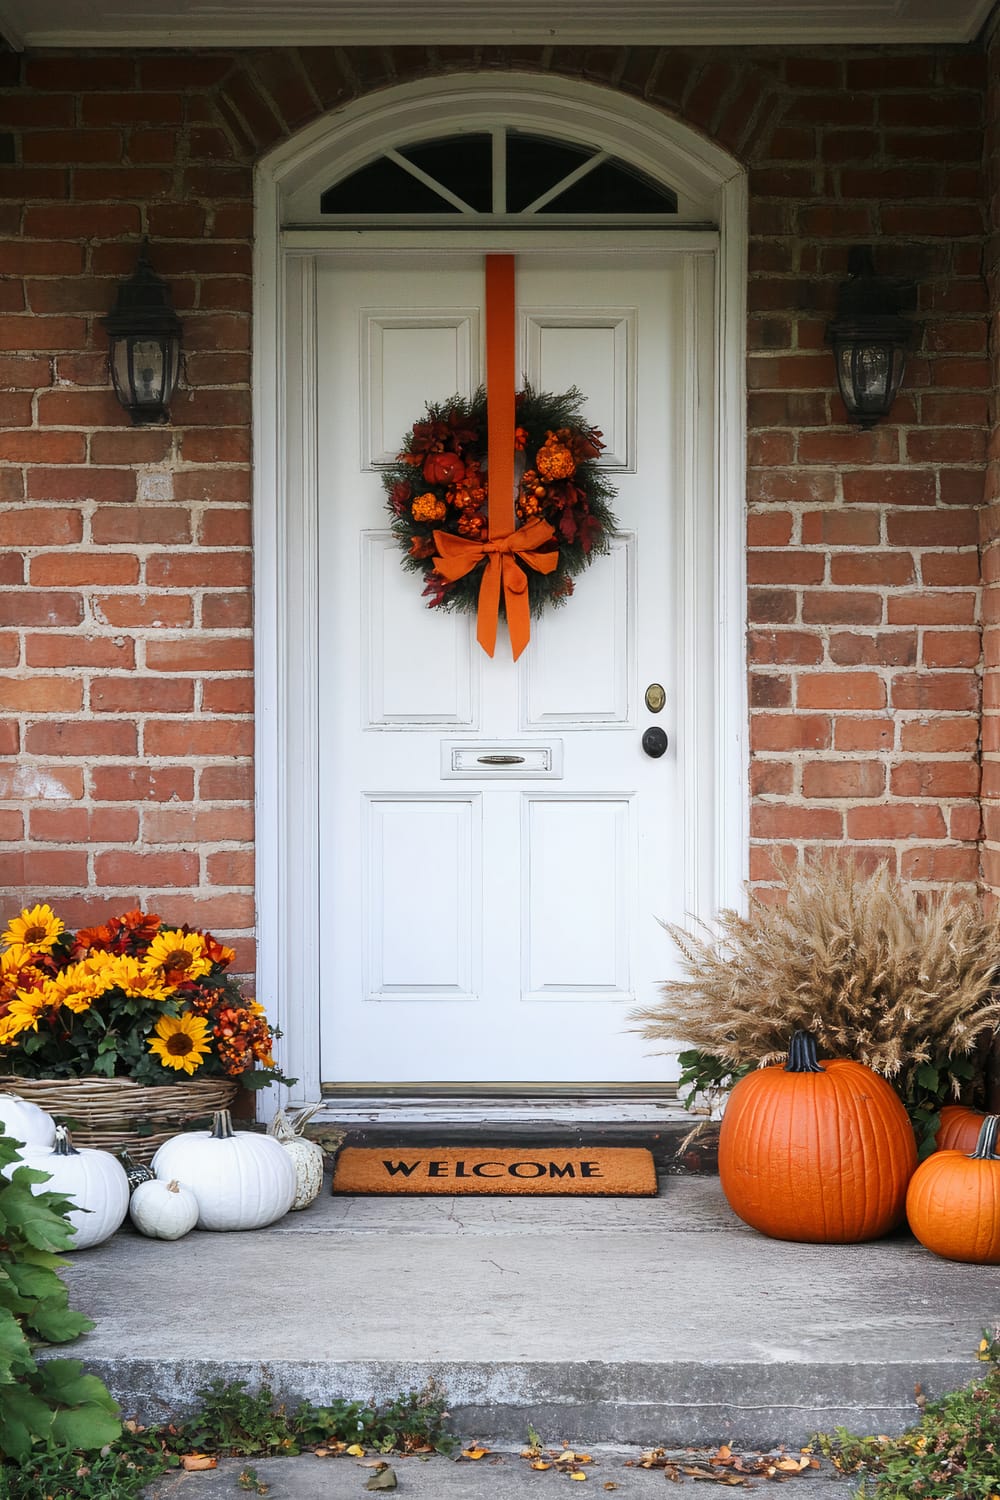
{"points": [[145, 344], [870, 337]]}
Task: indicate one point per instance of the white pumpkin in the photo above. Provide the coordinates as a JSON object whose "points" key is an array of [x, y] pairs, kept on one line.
{"points": [[93, 1179], [307, 1156], [242, 1180], [163, 1210], [25, 1122]]}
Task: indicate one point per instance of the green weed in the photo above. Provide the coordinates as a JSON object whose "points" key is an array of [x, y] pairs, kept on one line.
{"points": [[951, 1453]]}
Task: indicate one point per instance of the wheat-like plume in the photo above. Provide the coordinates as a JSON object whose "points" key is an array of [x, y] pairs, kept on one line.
{"points": [[875, 971]]}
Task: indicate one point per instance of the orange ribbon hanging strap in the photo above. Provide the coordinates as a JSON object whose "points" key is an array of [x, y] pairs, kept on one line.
{"points": [[457, 556], [501, 385]]}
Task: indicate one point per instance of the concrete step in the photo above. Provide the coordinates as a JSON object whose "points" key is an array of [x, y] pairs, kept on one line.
{"points": [[501, 1475], [640, 1321]]}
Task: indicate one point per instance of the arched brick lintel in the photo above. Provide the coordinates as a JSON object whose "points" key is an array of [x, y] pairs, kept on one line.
{"points": [[269, 96]]}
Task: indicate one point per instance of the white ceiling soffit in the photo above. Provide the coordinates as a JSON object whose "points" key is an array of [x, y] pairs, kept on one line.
{"points": [[240, 23]]}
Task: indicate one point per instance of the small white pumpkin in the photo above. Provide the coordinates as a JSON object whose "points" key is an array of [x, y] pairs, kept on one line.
{"points": [[241, 1179], [163, 1210], [94, 1181], [306, 1155], [25, 1121]]}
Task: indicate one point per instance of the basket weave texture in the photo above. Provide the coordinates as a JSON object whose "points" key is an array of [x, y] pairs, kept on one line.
{"points": [[109, 1113]]}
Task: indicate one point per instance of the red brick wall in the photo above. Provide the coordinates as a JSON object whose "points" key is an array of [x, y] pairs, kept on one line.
{"points": [[125, 603], [989, 527]]}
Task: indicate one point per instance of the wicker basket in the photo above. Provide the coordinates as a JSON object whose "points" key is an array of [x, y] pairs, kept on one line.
{"points": [[110, 1113]]}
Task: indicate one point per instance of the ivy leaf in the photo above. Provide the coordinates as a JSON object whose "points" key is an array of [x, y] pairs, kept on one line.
{"points": [[929, 1077], [34, 1218], [15, 1352], [56, 1322]]}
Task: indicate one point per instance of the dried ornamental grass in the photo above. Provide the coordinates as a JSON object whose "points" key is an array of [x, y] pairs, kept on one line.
{"points": [[875, 971]]}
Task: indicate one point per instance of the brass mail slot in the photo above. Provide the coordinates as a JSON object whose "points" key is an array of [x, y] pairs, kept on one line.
{"points": [[515, 760]]}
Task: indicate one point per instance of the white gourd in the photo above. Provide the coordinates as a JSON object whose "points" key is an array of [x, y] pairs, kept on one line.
{"points": [[26, 1122], [241, 1179], [306, 1155], [163, 1210], [93, 1179]]}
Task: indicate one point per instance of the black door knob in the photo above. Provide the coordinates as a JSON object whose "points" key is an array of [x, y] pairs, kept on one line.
{"points": [[654, 741]]}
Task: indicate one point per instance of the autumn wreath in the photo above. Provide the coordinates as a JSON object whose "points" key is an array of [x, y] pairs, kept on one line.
{"points": [[439, 484]]}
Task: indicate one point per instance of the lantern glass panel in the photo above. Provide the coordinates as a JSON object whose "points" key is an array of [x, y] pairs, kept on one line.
{"points": [[148, 372], [869, 375]]}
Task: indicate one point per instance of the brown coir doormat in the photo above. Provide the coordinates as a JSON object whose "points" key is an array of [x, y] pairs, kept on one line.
{"points": [[616, 1172]]}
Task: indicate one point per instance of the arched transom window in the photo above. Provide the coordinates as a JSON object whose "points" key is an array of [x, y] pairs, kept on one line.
{"points": [[501, 173], [497, 172]]}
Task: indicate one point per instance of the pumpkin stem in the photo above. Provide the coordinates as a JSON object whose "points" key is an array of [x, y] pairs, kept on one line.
{"points": [[986, 1146], [64, 1143], [802, 1054], [222, 1126]]}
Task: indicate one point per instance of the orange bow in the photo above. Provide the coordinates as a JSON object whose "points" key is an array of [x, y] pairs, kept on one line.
{"points": [[456, 556]]}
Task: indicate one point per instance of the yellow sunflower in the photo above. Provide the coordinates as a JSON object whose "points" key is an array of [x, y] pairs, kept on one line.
{"points": [[138, 981], [77, 987], [25, 1010], [15, 958], [178, 956], [181, 1042], [37, 928]]}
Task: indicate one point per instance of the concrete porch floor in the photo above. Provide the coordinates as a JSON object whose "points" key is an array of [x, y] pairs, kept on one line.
{"points": [[646, 1321]]}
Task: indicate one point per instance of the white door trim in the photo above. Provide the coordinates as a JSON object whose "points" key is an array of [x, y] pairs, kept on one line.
{"points": [[286, 585]]}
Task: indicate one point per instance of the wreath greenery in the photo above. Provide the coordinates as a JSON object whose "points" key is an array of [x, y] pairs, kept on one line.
{"points": [[439, 483]]}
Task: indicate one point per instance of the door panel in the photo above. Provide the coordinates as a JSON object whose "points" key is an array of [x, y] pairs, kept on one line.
{"points": [[497, 929]]}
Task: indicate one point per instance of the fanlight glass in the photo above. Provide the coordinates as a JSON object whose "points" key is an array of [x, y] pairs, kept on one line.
{"points": [[504, 171]]}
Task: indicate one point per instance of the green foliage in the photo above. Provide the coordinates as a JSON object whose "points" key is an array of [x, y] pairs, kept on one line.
{"points": [[950, 1454], [245, 1424], [53, 1404], [928, 1089], [705, 1075], [233, 1422], [119, 1471]]}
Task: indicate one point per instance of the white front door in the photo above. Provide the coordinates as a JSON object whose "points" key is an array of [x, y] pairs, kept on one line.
{"points": [[485, 924]]}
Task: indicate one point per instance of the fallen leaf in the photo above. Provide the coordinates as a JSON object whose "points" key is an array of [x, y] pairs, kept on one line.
{"points": [[609, 1484], [475, 1453], [578, 1474], [374, 1463], [724, 1454], [792, 1465], [193, 1461], [321, 1452], [386, 1480], [540, 1464], [356, 1450]]}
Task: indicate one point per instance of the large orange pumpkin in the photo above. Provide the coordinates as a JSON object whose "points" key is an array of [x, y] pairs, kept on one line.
{"points": [[959, 1128], [953, 1202], [816, 1151]]}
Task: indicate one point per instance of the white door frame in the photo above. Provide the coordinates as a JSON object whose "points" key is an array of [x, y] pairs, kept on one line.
{"points": [[285, 581]]}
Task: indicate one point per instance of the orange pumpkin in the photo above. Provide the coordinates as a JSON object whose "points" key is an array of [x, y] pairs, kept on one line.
{"points": [[953, 1202], [816, 1151], [959, 1128]]}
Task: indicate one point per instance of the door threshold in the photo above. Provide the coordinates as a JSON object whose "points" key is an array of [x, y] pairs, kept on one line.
{"points": [[476, 1110]]}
